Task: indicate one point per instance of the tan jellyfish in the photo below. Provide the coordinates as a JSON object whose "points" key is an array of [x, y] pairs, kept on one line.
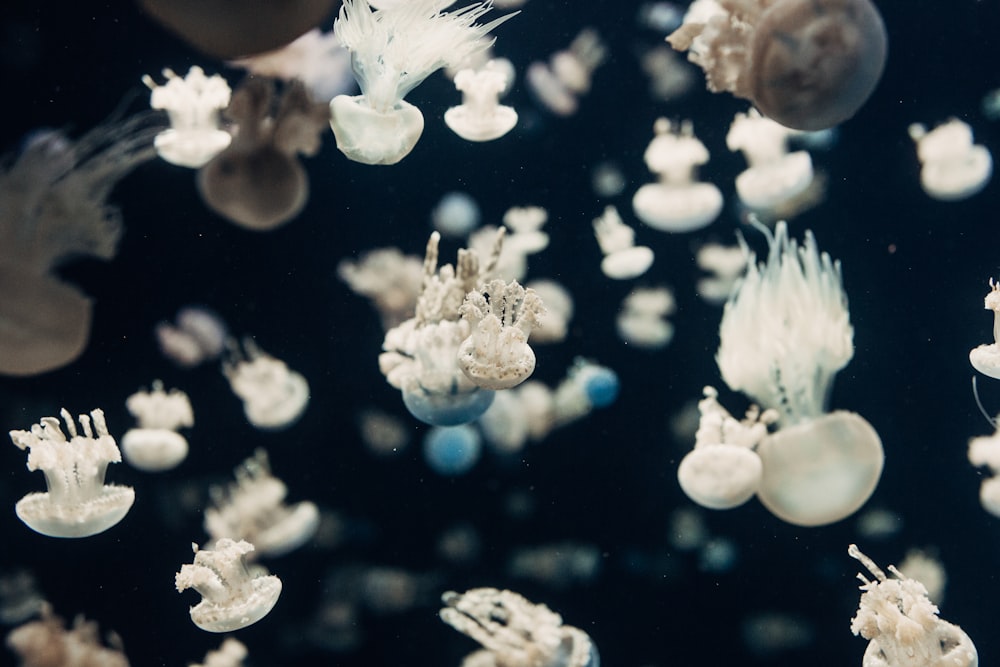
{"points": [[47, 642], [193, 104], [274, 396], [952, 168], [233, 595], [156, 445], [78, 502], [481, 117], [773, 175], [986, 357], [623, 259]]}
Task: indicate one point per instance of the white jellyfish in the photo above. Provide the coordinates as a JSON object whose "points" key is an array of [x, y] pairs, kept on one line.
{"points": [[505, 424], [193, 104], [481, 117], [902, 625], [455, 215], [524, 224], [156, 445], [952, 168], [669, 76], [273, 395], [392, 51], [515, 632], [773, 175], [926, 568], [986, 357], [677, 202], [623, 259], [641, 320], [231, 653], [512, 264], [725, 264], [389, 278], [553, 324], [568, 75], [47, 642], [984, 451], [785, 333], [78, 502], [233, 595]]}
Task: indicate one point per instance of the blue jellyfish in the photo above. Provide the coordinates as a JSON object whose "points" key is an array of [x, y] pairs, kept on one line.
{"points": [[452, 450]]}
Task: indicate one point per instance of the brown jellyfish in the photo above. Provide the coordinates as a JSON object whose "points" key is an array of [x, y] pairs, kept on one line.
{"points": [[257, 182], [807, 64]]}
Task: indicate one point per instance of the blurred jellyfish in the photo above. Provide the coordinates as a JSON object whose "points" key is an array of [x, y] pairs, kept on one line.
{"points": [[663, 17], [382, 432], [558, 565], [78, 502], [504, 424], [461, 544], [952, 168], [155, 445], [253, 508], [274, 396], [553, 324], [231, 653], [524, 225], [452, 450], [924, 567], [193, 104], [19, 597], [725, 264], [456, 215], [785, 333], [47, 643], [879, 524], [315, 58], [607, 180], [770, 633], [990, 106], [986, 357], [687, 530], [568, 75], [984, 451], [257, 182], [199, 335], [392, 51], [669, 76], [773, 175], [808, 65], [515, 632], [623, 259], [233, 595], [677, 202], [902, 625], [481, 117], [587, 385], [641, 322], [53, 208], [390, 279], [718, 555], [537, 409], [512, 264]]}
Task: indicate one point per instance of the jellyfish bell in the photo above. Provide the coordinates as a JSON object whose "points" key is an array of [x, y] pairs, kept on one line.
{"points": [[720, 476], [369, 136], [480, 117], [986, 357]]}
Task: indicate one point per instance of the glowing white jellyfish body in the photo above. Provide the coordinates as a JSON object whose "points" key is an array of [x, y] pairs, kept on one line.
{"points": [[392, 51], [785, 333], [677, 202], [481, 117], [773, 175], [233, 595], [986, 357], [984, 451], [231, 653], [156, 445], [641, 320], [78, 502], [725, 264], [567, 76], [952, 167], [524, 224], [197, 336], [902, 624], [515, 632], [553, 324], [193, 104], [389, 278], [273, 395], [456, 215], [623, 259]]}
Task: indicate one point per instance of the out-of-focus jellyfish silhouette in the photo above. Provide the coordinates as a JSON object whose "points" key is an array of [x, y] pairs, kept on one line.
{"points": [[253, 508], [718, 555], [47, 643], [504, 425], [382, 433], [952, 167], [726, 265], [990, 105], [984, 451], [677, 202], [669, 76], [607, 179], [455, 215], [480, 116], [662, 17], [193, 104], [155, 444], [231, 653], [559, 565], [233, 595], [273, 395], [553, 324], [199, 335], [808, 64], [986, 357], [902, 625], [623, 260], [785, 333], [452, 450], [878, 523], [19, 597], [53, 208], [587, 385], [928, 570], [257, 182], [78, 502], [773, 175], [390, 279], [687, 530], [227, 29], [767, 634], [558, 85], [641, 322], [515, 632], [525, 236], [392, 51]]}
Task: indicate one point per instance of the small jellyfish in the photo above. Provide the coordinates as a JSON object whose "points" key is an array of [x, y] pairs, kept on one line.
{"points": [[392, 51], [156, 445], [669, 76], [773, 175], [986, 357], [515, 632], [902, 624], [274, 396], [641, 321], [808, 64], [623, 259], [505, 424], [553, 324], [952, 167], [199, 335], [677, 202], [558, 85], [384, 434], [587, 385], [984, 451], [389, 279], [512, 264], [452, 450], [456, 215], [78, 502], [258, 182], [725, 264], [558, 565], [231, 653], [524, 225], [234, 595], [193, 104], [481, 117], [607, 179], [47, 642]]}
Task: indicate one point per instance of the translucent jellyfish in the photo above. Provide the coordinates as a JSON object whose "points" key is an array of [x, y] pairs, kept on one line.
{"points": [[723, 470], [456, 215], [952, 168], [383, 433], [718, 555], [515, 632], [607, 180], [669, 76], [390, 279], [20, 598], [807, 64], [559, 565], [156, 445], [524, 225], [231, 653], [986, 357], [53, 208], [773, 175], [984, 451], [926, 568], [273, 396], [512, 264], [253, 508], [770, 633], [392, 51], [505, 425], [257, 182], [481, 117], [677, 202], [553, 324], [587, 385], [199, 335], [662, 17], [193, 104], [726, 265], [559, 84], [47, 643], [785, 333], [623, 259], [902, 625], [234, 596], [641, 322], [452, 450], [78, 502]]}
